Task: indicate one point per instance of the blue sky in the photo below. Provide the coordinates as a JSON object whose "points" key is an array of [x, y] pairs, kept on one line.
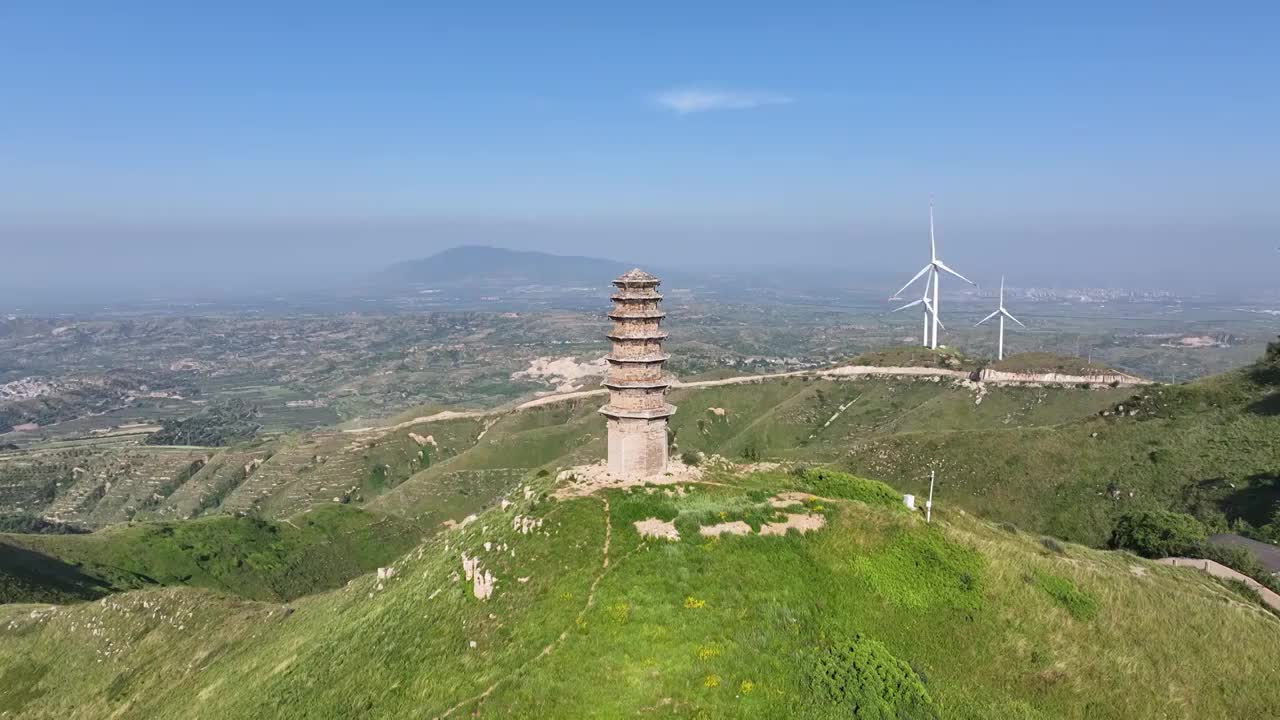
{"points": [[368, 132]]}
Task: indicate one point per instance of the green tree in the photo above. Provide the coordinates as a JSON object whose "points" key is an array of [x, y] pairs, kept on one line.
{"points": [[1157, 534], [1267, 369]]}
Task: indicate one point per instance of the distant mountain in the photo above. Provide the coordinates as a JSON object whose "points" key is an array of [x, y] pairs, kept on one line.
{"points": [[477, 265]]}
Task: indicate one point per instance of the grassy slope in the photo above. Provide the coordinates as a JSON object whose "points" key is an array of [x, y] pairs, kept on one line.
{"points": [[789, 418], [988, 623], [772, 419], [247, 557], [1211, 447], [512, 447]]}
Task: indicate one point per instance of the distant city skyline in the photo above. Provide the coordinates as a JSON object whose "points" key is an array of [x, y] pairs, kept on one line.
{"points": [[1134, 145]]}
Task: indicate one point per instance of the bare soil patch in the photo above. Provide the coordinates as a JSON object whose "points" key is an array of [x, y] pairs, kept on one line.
{"points": [[658, 529], [801, 522], [737, 527]]}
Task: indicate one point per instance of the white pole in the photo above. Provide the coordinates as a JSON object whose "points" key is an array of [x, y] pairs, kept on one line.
{"points": [[934, 344], [926, 327], [1000, 352], [928, 504]]}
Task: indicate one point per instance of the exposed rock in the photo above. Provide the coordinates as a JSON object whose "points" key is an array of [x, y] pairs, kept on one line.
{"points": [[524, 524], [423, 441], [470, 565], [482, 585]]}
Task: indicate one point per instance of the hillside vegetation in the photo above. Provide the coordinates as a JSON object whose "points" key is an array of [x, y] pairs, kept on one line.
{"points": [[1210, 448], [1066, 461], [243, 556], [873, 615], [914, 356], [1043, 362]]}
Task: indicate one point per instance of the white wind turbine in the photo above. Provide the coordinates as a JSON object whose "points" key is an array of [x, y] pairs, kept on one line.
{"points": [[1002, 314], [932, 269], [928, 309]]}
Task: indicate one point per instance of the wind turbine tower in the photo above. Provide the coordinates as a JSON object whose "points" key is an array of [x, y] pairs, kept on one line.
{"points": [[934, 271], [1002, 314], [928, 309]]}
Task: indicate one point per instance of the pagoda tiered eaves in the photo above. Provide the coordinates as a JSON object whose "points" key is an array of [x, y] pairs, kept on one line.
{"points": [[637, 380]]}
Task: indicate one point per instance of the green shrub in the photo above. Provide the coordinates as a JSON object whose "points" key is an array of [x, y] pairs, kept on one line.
{"points": [[1233, 556], [1266, 371], [1157, 533], [858, 677], [690, 458], [836, 484]]}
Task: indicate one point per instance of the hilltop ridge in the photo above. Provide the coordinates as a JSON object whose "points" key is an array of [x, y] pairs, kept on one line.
{"points": [[561, 608]]}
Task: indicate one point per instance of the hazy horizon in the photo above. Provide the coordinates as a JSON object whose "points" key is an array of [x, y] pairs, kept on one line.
{"points": [[228, 148]]}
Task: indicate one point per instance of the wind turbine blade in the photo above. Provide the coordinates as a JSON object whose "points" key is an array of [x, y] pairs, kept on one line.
{"points": [[933, 244], [988, 318], [913, 303], [943, 266], [929, 306], [1006, 314], [910, 282], [1001, 291]]}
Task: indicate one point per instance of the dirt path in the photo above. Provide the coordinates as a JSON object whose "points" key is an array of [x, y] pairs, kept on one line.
{"points": [[845, 371], [564, 634], [839, 411], [553, 398]]}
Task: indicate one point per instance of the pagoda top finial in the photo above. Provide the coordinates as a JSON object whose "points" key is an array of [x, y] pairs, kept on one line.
{"points": [[636, 276]]}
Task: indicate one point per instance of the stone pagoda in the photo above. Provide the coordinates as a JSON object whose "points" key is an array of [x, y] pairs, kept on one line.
{"points": [[638, 410]]}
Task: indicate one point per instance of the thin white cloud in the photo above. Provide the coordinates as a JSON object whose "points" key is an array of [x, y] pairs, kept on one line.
{"points": [[693, 100]]}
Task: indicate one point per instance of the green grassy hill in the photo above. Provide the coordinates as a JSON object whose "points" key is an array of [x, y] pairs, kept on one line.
{"points": [[1210, 448], [802, 419], [1061, 460], [874, 615], [243, 556]]}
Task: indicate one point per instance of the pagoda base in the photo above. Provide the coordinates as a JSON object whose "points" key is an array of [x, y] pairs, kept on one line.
{"points": [[637, 446]]}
